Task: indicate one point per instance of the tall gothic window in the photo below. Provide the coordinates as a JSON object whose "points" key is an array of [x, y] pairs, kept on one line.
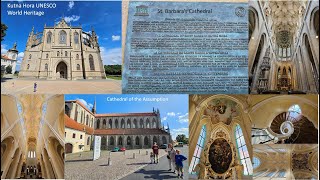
{"points": [[197, 152], [63, 37], [49, 35], [91, 63], [243, 151], [76, 38]]}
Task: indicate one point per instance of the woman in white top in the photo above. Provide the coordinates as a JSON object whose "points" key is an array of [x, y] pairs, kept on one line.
{"points": [[171, 157]]}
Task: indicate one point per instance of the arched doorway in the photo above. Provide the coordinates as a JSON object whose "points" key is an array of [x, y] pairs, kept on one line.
{"points": [[62, 70], [69, 148]]}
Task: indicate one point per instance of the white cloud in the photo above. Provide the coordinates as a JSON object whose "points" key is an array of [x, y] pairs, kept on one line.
{"points": [[20, 57], [111, 56], [176, 132], [164, 118], [72, 18], [70, 5], [171, 114], [184, 118], [4, 48], [84, 102], [115, 38]]}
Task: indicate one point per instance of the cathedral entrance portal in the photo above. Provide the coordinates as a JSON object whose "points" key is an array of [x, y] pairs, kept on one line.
{"points": [[62, 70]]}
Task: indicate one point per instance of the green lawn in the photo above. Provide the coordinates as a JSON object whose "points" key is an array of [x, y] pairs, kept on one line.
{"points": [[115, 77]]}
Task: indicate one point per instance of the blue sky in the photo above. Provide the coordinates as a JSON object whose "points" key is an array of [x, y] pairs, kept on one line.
{"points": [[104, 17], [173, 109]]}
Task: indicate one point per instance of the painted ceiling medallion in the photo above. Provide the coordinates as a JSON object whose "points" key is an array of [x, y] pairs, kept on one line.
{"points": [[220, 155]]}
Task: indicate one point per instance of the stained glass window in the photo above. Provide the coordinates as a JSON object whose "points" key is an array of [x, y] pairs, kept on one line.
{"points": [[197, 152], [243, 151]]}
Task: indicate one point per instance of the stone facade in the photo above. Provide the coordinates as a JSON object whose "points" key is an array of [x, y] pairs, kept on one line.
{"points": [[62, 52]]}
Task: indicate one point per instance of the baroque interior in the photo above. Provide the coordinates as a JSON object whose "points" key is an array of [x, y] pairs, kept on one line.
{"points": [[284, 47], [285, 161], [32, 136], [222, 129]]}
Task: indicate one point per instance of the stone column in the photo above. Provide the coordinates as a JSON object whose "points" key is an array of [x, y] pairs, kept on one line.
{"points": [[48, 166], [18, 173], [14, 164]]}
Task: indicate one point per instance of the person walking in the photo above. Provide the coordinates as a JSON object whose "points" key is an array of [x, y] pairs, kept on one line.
{"points": [[35, 87], [179, 163], [171, 157], [155, 149]]}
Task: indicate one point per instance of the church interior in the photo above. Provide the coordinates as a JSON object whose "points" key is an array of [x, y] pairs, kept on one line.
{"points": [[221, 135], [32, 136], [285, 161], [283, 47]]}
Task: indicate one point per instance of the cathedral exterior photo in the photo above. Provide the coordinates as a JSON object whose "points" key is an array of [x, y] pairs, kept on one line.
{"points": [[62, 52], [129, 130]]}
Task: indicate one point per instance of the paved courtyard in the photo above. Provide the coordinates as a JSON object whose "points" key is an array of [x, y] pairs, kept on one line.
{"points": [[83, 168], [18, 86]]}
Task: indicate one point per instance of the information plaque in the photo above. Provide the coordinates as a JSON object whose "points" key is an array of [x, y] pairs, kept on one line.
{"points": [[192, 48], [97, 147]]}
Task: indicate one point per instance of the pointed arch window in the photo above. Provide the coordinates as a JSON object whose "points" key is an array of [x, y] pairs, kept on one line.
{"points": [[91, 62], [76, 38], [49, 35], [243, 151], [63, 37], [197, 152]]}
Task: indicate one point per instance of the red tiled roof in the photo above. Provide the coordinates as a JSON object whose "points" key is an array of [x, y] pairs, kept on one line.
{"points": [[128, 131], [72, 124], [6, 58], [82, 105], [125, 114]]}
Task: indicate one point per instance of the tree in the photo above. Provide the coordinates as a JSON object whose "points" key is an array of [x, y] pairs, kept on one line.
{"points": [[182, 138], [3, 31], [9, 69]]}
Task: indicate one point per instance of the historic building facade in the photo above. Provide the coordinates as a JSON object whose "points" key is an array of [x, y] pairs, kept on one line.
{"points": [[129, 130], [10, 59], [283, 47], [62, 52]]}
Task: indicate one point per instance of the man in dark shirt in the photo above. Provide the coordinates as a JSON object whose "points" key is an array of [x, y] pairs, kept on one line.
{"points": [[155, 149]]}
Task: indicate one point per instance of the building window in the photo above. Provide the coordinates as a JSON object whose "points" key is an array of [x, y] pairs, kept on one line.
{"points": [[78, 66], [243, 151], [76, 38], [88, 140], [197, 152], [47, 56], [73, 135], [63, 37], [91, 62], [294, 111], [256, 162], [49, 37], [30, 56], [77, 56], [137, 141], [28, 66], [80, 136], [58, 53], [46, 67], [66, 53], [65, 134]]}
